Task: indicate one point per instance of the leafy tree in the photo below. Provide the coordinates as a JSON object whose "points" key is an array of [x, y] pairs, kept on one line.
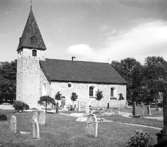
{"points": [[8, 81], [58, 96], [45, 100], [132, 71], [154, 71], [74, 96], [99, 95]]}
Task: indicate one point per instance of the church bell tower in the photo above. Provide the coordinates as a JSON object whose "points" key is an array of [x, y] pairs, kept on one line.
{"points": [[30, 51]]}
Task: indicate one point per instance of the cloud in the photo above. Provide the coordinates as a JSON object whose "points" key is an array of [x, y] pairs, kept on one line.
{"points": [[147, 39]]}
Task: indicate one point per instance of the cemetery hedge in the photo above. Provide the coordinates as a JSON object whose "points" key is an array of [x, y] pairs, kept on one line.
{"points": [[20, 106]]}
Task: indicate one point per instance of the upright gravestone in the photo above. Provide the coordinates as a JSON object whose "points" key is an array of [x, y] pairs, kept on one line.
{"points": [[35, 126], [42, 117], [92, 125], [87, 109], [13, 124], [142, 109]]}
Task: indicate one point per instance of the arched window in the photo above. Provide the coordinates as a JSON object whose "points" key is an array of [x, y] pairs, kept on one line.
{"points": [[34, 53], [91, 91], [112, 92]]}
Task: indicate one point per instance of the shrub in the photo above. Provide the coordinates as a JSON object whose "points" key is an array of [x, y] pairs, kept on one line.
{"points": [[74, 96], [3, 117], [58, 96], [121, 96], [140, 139], [99, 95], [45, 100], [20, 106]]}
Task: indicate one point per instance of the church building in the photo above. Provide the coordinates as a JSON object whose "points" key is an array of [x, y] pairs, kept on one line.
{"points": [[38, 76]]}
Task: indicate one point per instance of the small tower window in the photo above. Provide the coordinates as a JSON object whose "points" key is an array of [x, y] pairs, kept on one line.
{"points": [[69, 85], [91, 91], [34, 53]]}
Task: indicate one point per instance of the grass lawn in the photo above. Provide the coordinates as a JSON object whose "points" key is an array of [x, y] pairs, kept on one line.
{"points": [[64, 131], [141, 121], [139, 110]]}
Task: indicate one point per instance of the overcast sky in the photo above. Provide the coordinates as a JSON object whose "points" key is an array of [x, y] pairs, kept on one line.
{"points": [[94, 30]]}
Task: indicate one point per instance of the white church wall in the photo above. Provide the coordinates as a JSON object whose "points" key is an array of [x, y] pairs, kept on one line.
{"points": [[28, 80], [28, 53], [82, 90]]}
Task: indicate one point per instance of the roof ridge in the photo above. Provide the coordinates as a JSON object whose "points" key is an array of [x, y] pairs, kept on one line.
{"points": [[78, 61]]}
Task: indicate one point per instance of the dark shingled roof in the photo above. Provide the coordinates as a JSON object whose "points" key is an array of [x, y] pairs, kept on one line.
{"points": [[80, 71], [31, 37]]}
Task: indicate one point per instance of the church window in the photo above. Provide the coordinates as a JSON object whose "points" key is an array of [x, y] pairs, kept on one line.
{"points": [[91, 91], [112, 92], [34, 53]]}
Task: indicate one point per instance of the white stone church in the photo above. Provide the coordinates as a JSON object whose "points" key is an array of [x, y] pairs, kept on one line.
{"points": [[38, 76]]}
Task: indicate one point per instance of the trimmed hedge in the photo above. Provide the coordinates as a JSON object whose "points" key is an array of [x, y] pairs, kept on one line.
{"points": [[20, 106]]}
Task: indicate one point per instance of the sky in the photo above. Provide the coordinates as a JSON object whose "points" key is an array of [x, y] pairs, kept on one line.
{"points": [[90, 30]]}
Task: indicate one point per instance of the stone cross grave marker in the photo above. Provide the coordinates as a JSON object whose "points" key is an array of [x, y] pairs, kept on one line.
{"points": [[35, 126], [92, 125], [42, 118], [13, 124]]}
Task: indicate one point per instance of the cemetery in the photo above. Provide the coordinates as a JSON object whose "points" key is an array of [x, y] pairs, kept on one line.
{"points": [[95, 128], [46, 102]]}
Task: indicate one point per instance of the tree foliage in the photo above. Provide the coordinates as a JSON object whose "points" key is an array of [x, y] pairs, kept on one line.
{"points": [[99, 95], [8, 81], [45, 100], [74, 96], [58, 96], [131, 70], [144, 82]]}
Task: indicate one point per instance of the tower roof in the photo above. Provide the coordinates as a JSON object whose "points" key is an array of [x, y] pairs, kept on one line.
{"points": [[31, 37]]}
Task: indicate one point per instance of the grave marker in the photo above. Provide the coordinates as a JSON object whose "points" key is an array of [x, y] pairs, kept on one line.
{"points": [[42, 117], [35, 126], [92, 125], [13, 124]]}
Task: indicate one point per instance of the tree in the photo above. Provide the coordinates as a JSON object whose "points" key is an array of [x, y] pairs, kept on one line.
{"points": [[45, 100], [74, 97], [154, 71], [8, 81], [132, 71], [58, 96], [99, 95]]}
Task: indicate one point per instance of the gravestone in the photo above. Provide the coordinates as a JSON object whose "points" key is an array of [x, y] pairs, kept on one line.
{"points": [[87, 109], [35, 126], [142, 109], [92, 125], [42, 117], [13, 124]]}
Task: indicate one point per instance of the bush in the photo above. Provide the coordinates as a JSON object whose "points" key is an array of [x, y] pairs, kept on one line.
{"points": [[140, 139], [58, 96], [74, 96], [20, 106], [99, 95], [3, 117]]}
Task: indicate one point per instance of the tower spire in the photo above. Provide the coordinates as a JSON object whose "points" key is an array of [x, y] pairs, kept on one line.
{"points": [[31, 37], [30, 4]]}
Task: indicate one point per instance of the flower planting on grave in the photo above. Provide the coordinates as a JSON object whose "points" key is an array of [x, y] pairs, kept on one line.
{"points": [[140, 139]]}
